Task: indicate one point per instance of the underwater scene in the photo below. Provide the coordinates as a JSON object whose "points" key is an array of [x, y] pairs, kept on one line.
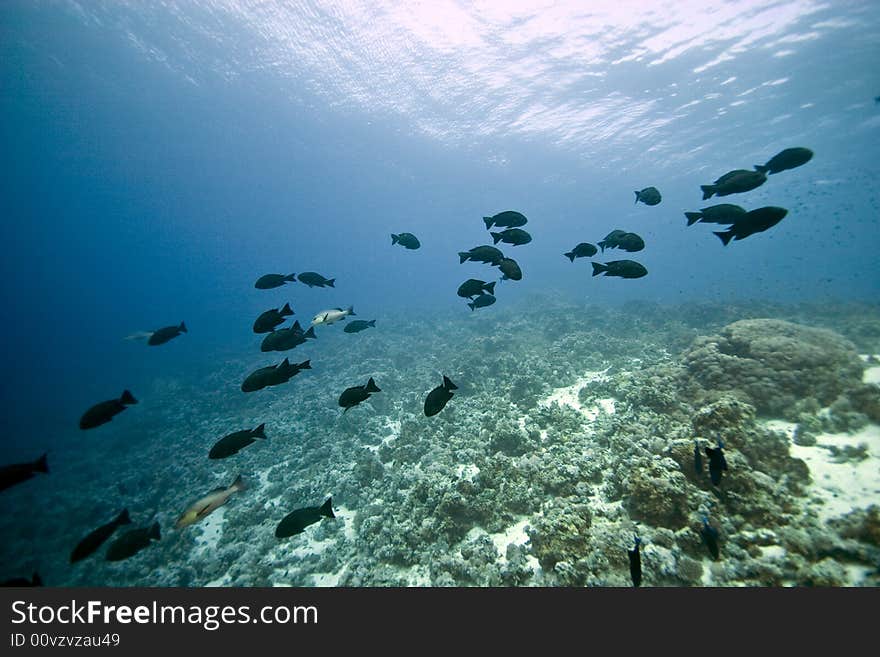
{"points": [[458, 293]]}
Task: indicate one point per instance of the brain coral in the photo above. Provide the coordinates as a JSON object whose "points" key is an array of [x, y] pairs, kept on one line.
{"points": [[775, 363]]}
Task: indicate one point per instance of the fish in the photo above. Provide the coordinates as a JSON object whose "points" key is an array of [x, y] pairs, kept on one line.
{"points": [[630, 242], [482, 301], [473, 287], [406, 240], [268, 320], [710, 538], [132, 542], [163, 335], [698, 459], [437, 398], [287, 338], [269, 281], [260, 378], [717, 463], [16, 473], [582, 250], [286, 371], [313, 279], [202, 508], [649, 196], [610, 240], [514, 236], [506, 219], [510, 269], [635, 563], [332, 316], [725, 213], [104, 411], [296, 521], [790, 158], [620, 268], [236, 441], [95, 538], [353, 396], [734, 182], [358, 325], [35, 580], [755, 221], [487, 254]]}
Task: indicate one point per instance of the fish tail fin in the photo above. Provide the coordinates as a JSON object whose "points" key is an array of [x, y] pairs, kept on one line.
{"points": [[123, 518], [496, 237], [260, 431], [330, 283], [372, 387], [761, 168], [693, 217], [310, 333], [569, 255], [291, 278], [708, 190], [127, 397], [725, 236], [41, 464], [598, 268], [182, 328], [637, 197], [286, 311], [372, 322], [395, 238], [462, 256], [238, 484], [327, 508], [490, 287], [154, 532], [351, 311], [448, 384], [305, 365], [488, 221], [471, 305]]}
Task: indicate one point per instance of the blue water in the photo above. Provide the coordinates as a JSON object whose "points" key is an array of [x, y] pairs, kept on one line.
{"points": [[158, 158]]}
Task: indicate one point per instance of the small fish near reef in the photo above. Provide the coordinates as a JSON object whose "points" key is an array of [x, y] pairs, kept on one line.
{"points": [[790, 158], [635, 563], [296, 521], [710, 538], [16, 473], [358, 325], [132, 542], [94, 539], [649, 196], [314, 279], [236, 441], [473, 287], [510, 270], [698, 458], [163, 335], [268, 320], [406, 240], [287, 338], [512, 236], [202, 508], [582, 250], [756, 221], [439, 396], [717, 463], [269, 281], [620, 268], [734, 182], [104, 411], [482, 301], [353, 396], [506, 219], [724, 213], [485, 253]]}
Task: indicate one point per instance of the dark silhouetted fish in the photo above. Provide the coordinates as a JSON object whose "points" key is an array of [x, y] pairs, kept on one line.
{"points": [[648, 196], [268, 320], [582, 250], [488, 254], [717, 463], [756, 221], [407, 240], [104, 411], [358, 325], [286, 371], [287, 338], [611, 239], [635, 562], [96, 538], [630, 242], [514, 236], [437, 398], [710, 538], [132, 542], [506, 219], [269, 281], [790, 158], [473, 287], [725, 213], [620, 268], [510, 269], [202, 508], [232, 443], [15, 473], [734, 182], [295, 522], [698, 459], [313, 279], [35, 580], [163, 335], [355, 395], [482, 301]]}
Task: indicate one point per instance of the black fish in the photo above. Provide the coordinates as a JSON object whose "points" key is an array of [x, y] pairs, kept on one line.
{"points": [[488, 254], [132, 542], [232, 443], [94, 539], [103, 412], [269, 281], [630, 242], [756, 221], [787, 159], [582, 250], [358, 325], [313, 279], [635, 562], [473, 287], [734, 182], [710, 538], [268, 320], [287, 338], [506, 219], [295, 522], [163, 335], [620, 268], [698, 459], [717, 463], [15, 473], [725, 213], [356, 394], [286, 371], [648, 196], [482, 301], [437, 398], [510, 269], [35, 580], [514, 236], [610, 240], [407, 240]]}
